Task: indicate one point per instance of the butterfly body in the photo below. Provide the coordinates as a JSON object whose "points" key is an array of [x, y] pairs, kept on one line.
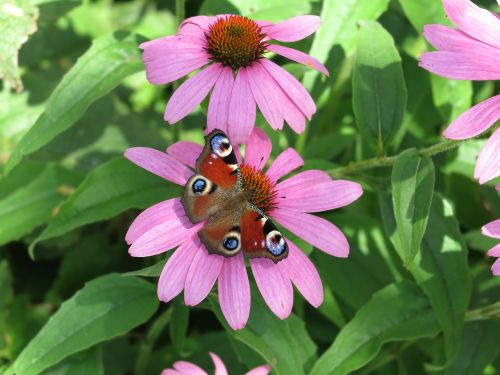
{"points": [[225, 198]]}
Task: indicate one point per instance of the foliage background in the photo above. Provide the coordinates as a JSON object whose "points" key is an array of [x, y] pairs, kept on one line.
{"points": [[416, 294]]}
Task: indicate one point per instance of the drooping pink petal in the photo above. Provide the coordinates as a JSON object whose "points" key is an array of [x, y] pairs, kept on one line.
{"points": [[315, 230], [234, 291], [293, 29], [293, 116], [169, 371], [164, 236], [300, 57], [195, 26], [242, 109], [173, 276], [220, 369], [461, 65], [488, 163], [201, 277], [286, 162], [274, 285], [303, 180], [445, 38], [258, 149], [475, 21], [170, 42], [190, 94], [492, 229], [155, 215], [494, 251], [475, 120], [160, 164], [495, 268], [188, 368], [186, 152], [264, 92], [320, 197], [218, 107], [261, 370], [303, 274], [292, 87]]}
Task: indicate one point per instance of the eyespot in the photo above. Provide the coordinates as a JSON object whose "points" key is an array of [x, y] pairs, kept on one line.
{"points": [[198, 186], [231, 243], [220, 145], [276, 244]]}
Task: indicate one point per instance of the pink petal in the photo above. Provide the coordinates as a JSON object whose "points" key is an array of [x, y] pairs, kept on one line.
{"points": [[242, 109], [164, 236], [319, 197], [186, 152], [156, 47], [169, 371], [190, 94], [293, 29], [446, 38], [274, 285], [234, 292], [293, 116], [303, 180], [264, 92], [160, 164], [173, 276], [201, 277], [303, 274], [188, 368], [488, 163], [495, 268], [475, 21], [492, 229], [258, 149], [220, 369], [315, 230], [300, 57], [475, 120], [218, 107], [461, 65], [292, 87], [494, 251], [155, 215], [261, 370], [195, 26], [286, 162]]}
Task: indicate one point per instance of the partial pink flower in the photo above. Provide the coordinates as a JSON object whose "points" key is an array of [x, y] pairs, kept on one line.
{"points": [[493, 230], [188, 368], [471, 52], [237, 73], [191, 268]]}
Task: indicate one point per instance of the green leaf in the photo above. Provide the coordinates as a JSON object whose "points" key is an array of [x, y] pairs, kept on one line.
{"points": [[478, 347], [81, 363], [397, 312], [423, 12], [412, 189], [179, 324], [30, 196], [110, 189], [105, 308], [6, 291], [379, 90], [451, 97], [151, 271], [109, 60], [284, 344], [440, 267], [17, 22]]}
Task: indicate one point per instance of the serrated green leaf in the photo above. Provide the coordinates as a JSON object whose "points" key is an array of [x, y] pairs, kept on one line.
{"points": [[379, 90], [105, 308], [109, 60], [412, 189], [397, 312], [110, 189]]}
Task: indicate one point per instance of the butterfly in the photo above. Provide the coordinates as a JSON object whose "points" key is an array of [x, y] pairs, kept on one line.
{"points": [[218, 194]]}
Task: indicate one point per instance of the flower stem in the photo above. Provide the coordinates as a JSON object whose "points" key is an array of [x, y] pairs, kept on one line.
{"points": [[487, 312], [180, 11], [387, 161]]}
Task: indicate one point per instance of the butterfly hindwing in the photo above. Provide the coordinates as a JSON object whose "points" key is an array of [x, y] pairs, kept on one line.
{"points": [[222, 235]]}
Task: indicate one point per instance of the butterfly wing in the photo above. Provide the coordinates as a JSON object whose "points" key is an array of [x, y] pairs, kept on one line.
{"points": [[216, 180], [222, 234]]}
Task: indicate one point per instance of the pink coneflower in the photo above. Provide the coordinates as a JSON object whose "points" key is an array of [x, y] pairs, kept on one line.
{"points": [[232, 48], [289, 202], [188, 368], [471, 52]]}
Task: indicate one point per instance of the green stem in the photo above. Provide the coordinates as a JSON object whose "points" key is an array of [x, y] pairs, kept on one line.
{"points": [[180, 12], [387, 161], [487, 312]]}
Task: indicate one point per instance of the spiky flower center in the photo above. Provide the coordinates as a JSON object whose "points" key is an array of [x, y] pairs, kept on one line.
{"points": [[235, 41], [259, 187]]}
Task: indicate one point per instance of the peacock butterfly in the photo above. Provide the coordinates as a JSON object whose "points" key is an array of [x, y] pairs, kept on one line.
{"points": [[233, 200]]}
